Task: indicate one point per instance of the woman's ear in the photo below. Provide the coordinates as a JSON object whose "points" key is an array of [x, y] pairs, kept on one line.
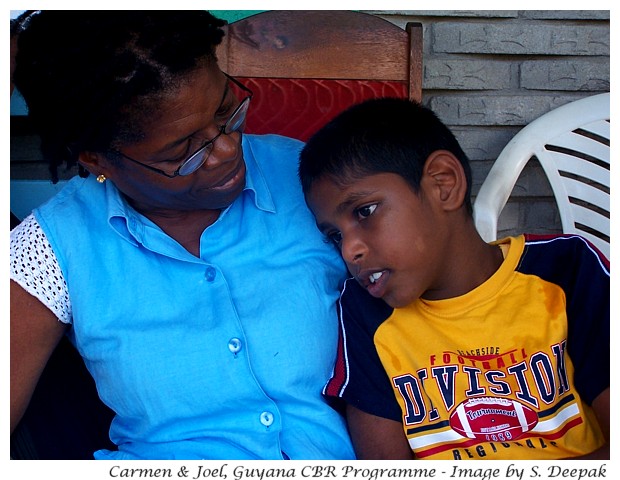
{"points": [[92, 162], [445, 176]]}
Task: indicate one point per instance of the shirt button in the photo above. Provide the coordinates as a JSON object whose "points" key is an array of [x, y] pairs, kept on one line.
{"points": [[210, 274], [266, 418], [234, 345]]}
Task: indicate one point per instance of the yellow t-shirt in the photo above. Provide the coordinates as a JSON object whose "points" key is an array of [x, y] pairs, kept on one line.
{"points": [[505, 371]]}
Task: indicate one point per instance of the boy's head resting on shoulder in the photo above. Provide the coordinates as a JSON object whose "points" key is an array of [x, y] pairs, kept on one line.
{"points": [[389, 184], [384, 135]]}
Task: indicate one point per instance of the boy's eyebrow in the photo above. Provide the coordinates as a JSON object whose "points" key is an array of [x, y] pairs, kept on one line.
{"points": [[343, 206], [350, 199]]}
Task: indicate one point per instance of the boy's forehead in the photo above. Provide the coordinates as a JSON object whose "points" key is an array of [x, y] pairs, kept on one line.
{"points": [[323, 197], [330, 196]]}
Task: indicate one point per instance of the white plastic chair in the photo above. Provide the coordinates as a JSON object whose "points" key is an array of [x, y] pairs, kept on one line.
{"points": [[571, 143]]}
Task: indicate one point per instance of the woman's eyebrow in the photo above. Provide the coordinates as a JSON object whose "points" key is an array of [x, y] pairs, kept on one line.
{"points": [[177, 142]]}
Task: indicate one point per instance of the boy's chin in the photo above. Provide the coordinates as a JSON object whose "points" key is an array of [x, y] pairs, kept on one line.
{"points": [[396, 302]]}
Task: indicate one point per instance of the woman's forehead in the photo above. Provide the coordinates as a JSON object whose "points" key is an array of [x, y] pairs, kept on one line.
{"points": [[182, 110]]}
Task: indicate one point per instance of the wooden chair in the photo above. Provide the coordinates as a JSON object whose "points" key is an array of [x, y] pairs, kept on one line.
{"points": [[304, 67], [572, 145]]}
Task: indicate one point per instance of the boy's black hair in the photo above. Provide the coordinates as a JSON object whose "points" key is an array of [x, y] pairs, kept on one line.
{"points": [[385, 135], [91, 78]]}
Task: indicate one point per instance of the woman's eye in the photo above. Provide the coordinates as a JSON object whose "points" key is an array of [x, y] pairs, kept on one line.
{"points": [[222, 116], [225, 111], [366, 211], [174, 161], [179, 157]]}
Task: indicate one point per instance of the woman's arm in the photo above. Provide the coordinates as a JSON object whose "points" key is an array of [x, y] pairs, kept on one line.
{"points": [[377, 438], [35, 332]]}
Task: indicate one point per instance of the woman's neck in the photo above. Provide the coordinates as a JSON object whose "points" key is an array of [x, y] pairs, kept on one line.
{"points": [[185, 227]]}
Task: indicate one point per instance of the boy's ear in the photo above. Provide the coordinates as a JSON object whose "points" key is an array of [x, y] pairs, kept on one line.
{"points": [[446, 177]]}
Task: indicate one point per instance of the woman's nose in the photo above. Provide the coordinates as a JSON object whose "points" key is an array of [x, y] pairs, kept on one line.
{"points": [[225, 148]]}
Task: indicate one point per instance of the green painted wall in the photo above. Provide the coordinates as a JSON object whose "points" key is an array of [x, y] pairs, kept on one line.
{"points": [[234, 15]]}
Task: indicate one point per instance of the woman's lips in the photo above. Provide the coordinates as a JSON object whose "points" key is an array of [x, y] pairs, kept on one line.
{"points": [[232, 179]]}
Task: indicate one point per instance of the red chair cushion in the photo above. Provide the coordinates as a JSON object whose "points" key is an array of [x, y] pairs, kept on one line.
{"points": [[299, 107]]}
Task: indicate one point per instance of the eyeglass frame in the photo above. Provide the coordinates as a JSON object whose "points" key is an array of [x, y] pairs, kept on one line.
{"points": [[206, 144]]}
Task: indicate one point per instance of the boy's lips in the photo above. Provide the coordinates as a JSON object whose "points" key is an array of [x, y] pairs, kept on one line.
{"points": [[374, 281]]}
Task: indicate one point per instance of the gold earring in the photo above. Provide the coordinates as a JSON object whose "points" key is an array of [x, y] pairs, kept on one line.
{"points": [[101, 178]]}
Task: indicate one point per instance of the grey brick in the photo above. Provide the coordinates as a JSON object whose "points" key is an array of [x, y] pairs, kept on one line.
{"points": [[566, 14], [520, 39], [401, 17], [521, 216], [508, 221], [539, 216], [481, 143], [447, 13], [462, 74], [479, 171], [514, 110], [532, 182], [567, 75]]}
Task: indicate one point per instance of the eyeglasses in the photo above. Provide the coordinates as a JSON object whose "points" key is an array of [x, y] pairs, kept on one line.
{"points": [[199, 157]]}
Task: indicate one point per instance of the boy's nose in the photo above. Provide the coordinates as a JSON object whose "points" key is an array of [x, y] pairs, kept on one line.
{"points": [[353, 250]]}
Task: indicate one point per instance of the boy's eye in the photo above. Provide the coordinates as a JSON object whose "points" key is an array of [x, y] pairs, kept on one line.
{"points": [[334, 237], [366, 211]]}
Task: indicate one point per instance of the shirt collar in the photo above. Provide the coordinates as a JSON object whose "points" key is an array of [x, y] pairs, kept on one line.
{"points": [[255, 183]]}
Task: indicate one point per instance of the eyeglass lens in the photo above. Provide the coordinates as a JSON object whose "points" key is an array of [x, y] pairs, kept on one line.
{"points": [[232, 125]]}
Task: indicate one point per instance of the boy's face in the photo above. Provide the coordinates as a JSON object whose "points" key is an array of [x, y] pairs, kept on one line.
{"points": [[391, 238]]}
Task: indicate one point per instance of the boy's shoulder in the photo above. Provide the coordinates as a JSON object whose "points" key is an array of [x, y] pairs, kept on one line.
{"points": [[569, 261], [561, 242], [562, 252]]}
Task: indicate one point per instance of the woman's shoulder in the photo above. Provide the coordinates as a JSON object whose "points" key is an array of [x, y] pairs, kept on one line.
{"points": [[73, 210], [74, 193], [275, 156], [273, 147]]}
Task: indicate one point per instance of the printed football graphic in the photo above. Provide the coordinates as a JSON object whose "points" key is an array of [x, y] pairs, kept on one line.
{"points": [[492, 419]]}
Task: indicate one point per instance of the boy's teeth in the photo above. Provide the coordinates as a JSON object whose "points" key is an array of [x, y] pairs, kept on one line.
{"points": [[375, 276]]}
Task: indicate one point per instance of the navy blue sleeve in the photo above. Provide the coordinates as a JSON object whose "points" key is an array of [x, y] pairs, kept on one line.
{"points": [[583, 273], [359, 377]]}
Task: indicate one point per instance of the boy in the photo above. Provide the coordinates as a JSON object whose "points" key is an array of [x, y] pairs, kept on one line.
{"points": [[452, 348]]}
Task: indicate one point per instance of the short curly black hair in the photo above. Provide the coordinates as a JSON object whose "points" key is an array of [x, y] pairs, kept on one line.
{"points": [[90, 78], [380, 135]]}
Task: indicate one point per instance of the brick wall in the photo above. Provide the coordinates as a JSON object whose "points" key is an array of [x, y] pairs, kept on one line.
{"points": [[489, 73]]}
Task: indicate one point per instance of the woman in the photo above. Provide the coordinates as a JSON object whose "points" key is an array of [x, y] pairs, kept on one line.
{"points": [[183, 264]]}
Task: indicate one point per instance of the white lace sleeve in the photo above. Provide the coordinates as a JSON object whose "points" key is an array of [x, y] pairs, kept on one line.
{"points": [[34, 266]]}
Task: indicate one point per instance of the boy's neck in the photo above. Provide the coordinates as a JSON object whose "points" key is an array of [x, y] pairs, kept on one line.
{"points": [[472, 262]]}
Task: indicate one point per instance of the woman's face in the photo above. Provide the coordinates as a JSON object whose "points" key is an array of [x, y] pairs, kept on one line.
{"points": [[186, 118]]}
